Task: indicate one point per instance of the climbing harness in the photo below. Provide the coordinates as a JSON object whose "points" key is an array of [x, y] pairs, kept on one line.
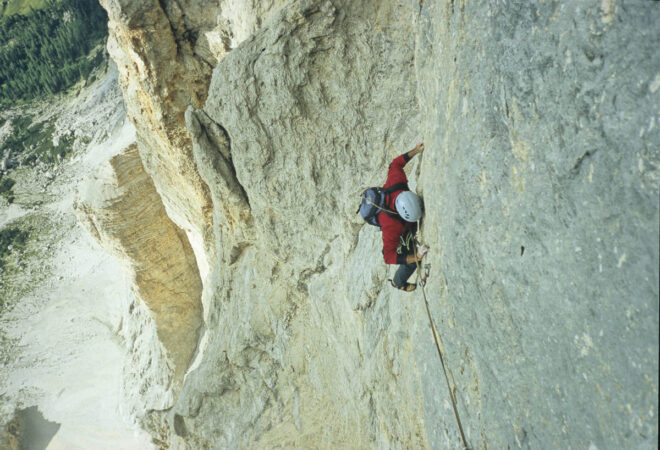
{"points": [[437, 339], [405, 242], [406, 247]]}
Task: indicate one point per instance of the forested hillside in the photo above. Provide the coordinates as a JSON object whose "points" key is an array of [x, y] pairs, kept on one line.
{"points": [[11, 7], [48, 50]]}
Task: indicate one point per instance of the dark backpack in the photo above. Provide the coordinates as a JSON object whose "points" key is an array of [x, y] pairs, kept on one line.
{"points": [[373, 202]]}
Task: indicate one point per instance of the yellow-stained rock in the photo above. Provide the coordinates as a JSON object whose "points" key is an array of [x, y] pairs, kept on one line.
{"points": [[123, 211]]}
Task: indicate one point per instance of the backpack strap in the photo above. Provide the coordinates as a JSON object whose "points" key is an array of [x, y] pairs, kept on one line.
{"points": [[387, 191], [380, 194]]}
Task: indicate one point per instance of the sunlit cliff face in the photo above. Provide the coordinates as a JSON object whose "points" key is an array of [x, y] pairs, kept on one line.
{"points": [[259, 125]]}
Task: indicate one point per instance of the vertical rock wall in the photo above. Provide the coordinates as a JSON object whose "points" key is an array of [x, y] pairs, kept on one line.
{"points": [[297, 353], [165, 52], [160, 76], [540, 179], [542, 170]]}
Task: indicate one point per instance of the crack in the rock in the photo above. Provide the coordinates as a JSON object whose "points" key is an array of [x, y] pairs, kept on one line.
{"points": [[211, 139], [578, 163]]}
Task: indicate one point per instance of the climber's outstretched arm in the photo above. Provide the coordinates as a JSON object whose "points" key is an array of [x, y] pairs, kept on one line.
{"points": [[418, 149]]}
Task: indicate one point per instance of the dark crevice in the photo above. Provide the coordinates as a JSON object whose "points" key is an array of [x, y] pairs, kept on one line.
{"points": [[204, 124], [237, 251], [163, 8], [307, 274], [578, 164], [180, 426], [230, 163], [180, 36]]}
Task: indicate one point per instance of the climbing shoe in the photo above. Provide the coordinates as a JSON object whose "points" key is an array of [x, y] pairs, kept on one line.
{"points": [[408, 287]]}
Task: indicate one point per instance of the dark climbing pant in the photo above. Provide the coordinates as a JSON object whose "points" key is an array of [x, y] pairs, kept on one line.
{"points": [[403, 273], [405, 270]]}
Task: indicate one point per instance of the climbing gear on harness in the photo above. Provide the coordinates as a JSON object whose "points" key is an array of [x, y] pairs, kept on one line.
{"points": [[406, 248], [408, 287], [405, 244], [425, 275], [409, 206], [421, 250], [374, 201]]}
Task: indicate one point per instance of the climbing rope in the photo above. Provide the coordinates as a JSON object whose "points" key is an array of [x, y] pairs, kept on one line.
{"points": [[437, 339], [436, 335]]}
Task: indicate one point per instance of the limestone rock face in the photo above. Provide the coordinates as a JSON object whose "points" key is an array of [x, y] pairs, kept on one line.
{"points": [[159, 75], [295, 356], [544, 181], [122, 210], [540, 179], [165, 52]]}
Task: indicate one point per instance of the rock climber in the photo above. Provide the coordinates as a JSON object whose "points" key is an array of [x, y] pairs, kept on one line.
{"points": [[398, 231]]}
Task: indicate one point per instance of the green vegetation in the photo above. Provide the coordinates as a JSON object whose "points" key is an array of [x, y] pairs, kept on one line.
{"points": [[48, 50], [12, 7], [35, 141], [26, 265], [11, 238], [14, 240], [6, 184]]}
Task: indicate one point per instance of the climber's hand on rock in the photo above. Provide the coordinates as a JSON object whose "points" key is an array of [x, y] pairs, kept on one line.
{"points": [[418, 149], [421, 251]]}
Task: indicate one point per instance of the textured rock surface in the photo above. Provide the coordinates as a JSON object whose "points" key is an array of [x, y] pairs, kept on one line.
{"points": [[543, 173], [165, 51], [541, 182], [122, 210], [293, 358]]}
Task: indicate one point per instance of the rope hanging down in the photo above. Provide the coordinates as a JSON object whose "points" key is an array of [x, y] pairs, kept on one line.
{"points": [[435, 333], [437, 346]]}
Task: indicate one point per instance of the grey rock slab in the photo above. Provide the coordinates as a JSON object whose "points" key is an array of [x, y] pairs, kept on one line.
{"points": [[541, 184], [542, 169]]}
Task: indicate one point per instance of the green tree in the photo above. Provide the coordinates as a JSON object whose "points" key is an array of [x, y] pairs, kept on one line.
{"points": [[40, 53]]}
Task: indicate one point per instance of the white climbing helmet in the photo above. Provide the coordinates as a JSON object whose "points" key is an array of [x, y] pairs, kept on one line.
{"points": [[409, 206]]}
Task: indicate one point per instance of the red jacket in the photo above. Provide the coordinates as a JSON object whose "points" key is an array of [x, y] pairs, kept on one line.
{"points": [[393, 227]]}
